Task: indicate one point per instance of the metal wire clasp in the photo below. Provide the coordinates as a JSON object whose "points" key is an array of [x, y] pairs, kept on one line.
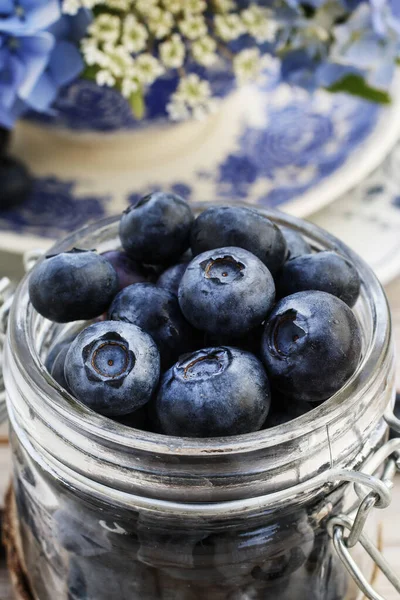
{"points": [[337, 526]]}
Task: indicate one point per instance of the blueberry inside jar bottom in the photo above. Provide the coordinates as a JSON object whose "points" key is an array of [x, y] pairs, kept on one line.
{"points": [[106, 511]]}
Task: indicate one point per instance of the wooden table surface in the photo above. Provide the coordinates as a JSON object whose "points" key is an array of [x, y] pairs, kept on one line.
{"points": [[390, 516]]}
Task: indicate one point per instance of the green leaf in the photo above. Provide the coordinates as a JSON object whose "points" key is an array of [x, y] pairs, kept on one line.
{"points": [[357, 86], [138, 105], [90, 72]]}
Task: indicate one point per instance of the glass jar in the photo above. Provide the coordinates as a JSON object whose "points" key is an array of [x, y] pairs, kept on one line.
{"points": [[106, 511]]}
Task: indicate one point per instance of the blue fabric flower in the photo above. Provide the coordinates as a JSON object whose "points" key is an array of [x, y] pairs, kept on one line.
{"points": [[38, 55], [362, 41]]}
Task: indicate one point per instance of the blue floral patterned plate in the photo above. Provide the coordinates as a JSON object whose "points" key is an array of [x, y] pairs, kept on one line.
{"points": [[270, 145], [367, 218]]}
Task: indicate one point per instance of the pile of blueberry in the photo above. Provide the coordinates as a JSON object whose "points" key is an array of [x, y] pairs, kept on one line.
{"points": [[15, 180], [214, 326]]}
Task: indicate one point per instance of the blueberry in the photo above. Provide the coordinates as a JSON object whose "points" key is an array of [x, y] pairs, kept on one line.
{"points": [[266, 554], [55, 350], [157, 312], [166, 548], [72, 286], [117, 577], [172, 277], [15, 182], [5, 135], [296, 244], [128, 270], [113, 367], [219, 227], [213, 392], [76, 581], [324, 271], [157, 229], [311, 345], [79, 535], [284, 410], [227, 291], [137, 419], [57, 371], [250, 342]]}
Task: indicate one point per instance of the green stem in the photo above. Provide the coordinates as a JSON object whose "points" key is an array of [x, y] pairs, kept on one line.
{"points": [[138, 104]]}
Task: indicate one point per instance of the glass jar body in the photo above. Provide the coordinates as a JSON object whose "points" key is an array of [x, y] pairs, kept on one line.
{"points": [[105, 511], [76, 547]]}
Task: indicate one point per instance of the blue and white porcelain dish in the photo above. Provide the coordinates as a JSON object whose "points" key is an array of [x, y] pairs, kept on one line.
{"points": [[367, 218], [270, 145]]}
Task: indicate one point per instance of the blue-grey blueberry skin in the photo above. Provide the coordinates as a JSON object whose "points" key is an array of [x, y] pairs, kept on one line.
{"points": [[172, 277], [73, 286], [55, 350], [285, 409], [57, 370], [251, 342], [227, 291], [213, 392], [324, 271], [219, 227], [79, 535], [113, 368], [270, 553], [295, 243], [156, 230], [137, 420], [128, 270], [76, 582], [311, 345], [156, 311]]}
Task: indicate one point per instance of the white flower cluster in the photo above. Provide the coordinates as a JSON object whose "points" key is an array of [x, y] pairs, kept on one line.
{"points": [[132, 43]]}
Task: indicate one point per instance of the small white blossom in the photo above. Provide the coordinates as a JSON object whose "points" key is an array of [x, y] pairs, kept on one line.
{"points": [[195, 7], [229, 27], [147, 69], [119, 61], [105, 28], [174, 6], [191, 99], [105, 78], [177, 110], [160, 22], [92, 53], [225, 6], [200, 113], [193, 91], [145, 6], [128, 87], [204, 51], [71, 7], [247, 65], [193, 27], [131, 43], [173, 52], [259, 23], [135, 35]]}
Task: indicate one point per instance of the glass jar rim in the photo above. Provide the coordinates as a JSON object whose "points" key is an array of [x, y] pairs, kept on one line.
{"points": [[71, 412]]}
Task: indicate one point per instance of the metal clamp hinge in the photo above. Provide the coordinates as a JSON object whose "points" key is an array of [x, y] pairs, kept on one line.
{"points": [[338, 526]]}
